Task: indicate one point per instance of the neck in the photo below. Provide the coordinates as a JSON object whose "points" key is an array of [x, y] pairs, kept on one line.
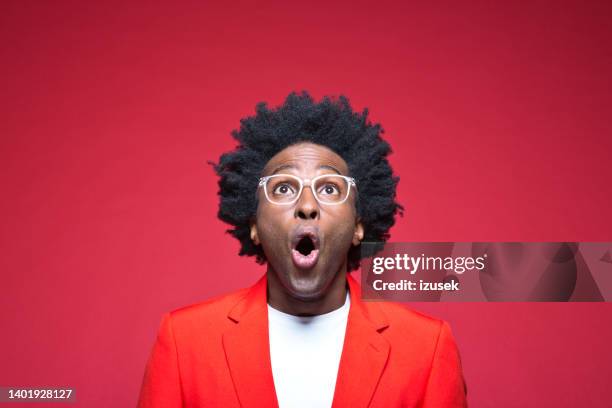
{"points": [[333, 296]]}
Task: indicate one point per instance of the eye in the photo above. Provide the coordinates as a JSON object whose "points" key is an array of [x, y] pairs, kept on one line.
{"points": [[329, 189], [283, 189]]}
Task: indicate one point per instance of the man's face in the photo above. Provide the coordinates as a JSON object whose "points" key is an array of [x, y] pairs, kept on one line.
{"points": [[306, 269]]}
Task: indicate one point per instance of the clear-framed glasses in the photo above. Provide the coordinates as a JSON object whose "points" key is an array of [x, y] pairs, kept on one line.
{"points": [[286, 189]]}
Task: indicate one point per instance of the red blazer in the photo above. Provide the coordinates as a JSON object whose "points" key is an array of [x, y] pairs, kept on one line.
{"points": [[216, 354]]}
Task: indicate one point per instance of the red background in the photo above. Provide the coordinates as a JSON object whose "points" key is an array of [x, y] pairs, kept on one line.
{"points": [[499, 116]]}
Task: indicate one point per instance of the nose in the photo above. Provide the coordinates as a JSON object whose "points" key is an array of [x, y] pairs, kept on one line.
{"points": [[307, 207]]}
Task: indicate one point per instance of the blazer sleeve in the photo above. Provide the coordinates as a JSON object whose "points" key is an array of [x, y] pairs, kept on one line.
{"points": [[161, 386], [445, 386]]}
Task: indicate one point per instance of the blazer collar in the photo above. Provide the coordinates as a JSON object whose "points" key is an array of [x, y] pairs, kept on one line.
{"points": [[247, 350]]}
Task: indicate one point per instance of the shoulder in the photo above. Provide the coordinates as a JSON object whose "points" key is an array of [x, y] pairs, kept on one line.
{"points": [[409, 325], [405, 315], [206, 314]]}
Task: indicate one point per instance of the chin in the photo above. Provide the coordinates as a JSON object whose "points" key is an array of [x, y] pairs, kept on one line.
{"points": [[310, 287]]}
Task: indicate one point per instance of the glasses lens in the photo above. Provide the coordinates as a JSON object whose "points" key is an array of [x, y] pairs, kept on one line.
{"points": [[282, 189], [331, 189]]}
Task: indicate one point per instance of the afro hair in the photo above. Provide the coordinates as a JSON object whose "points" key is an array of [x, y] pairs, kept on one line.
{"points": [[331, 123]]}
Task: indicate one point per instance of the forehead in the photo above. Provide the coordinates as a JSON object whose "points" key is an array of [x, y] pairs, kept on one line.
{"points": [[306, 156]]}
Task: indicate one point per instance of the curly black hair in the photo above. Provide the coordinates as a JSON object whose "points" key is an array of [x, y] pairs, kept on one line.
{"points": [[331, 123]]}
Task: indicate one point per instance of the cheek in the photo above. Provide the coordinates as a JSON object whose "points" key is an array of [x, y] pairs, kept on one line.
{"points": [[270, 224], [342, 227]]}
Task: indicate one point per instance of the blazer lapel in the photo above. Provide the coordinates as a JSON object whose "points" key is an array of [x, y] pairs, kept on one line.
{"points": [[247, 349], [364, 354]]}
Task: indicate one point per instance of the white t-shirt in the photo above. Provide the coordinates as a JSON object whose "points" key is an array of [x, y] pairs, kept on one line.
{"points": [[305, 354]]}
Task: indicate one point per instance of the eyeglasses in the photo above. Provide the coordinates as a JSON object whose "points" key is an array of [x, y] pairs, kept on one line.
{"points": [[286, 189]]}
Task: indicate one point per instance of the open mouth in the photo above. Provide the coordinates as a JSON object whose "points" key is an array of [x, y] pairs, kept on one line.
{"points": [[305, 246], [305, 251]]}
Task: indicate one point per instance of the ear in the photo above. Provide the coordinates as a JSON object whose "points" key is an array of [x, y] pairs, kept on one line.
{"points": [[254, 235], [358, 234]]}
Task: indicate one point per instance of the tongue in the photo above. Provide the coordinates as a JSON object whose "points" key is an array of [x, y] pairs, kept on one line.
{"points": [[305, 261]]}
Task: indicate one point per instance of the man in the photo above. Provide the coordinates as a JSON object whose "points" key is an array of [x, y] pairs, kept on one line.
{"points": [[308, 182]]}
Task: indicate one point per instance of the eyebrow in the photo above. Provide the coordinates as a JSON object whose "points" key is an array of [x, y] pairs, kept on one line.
{"points": [[291, 166]]}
